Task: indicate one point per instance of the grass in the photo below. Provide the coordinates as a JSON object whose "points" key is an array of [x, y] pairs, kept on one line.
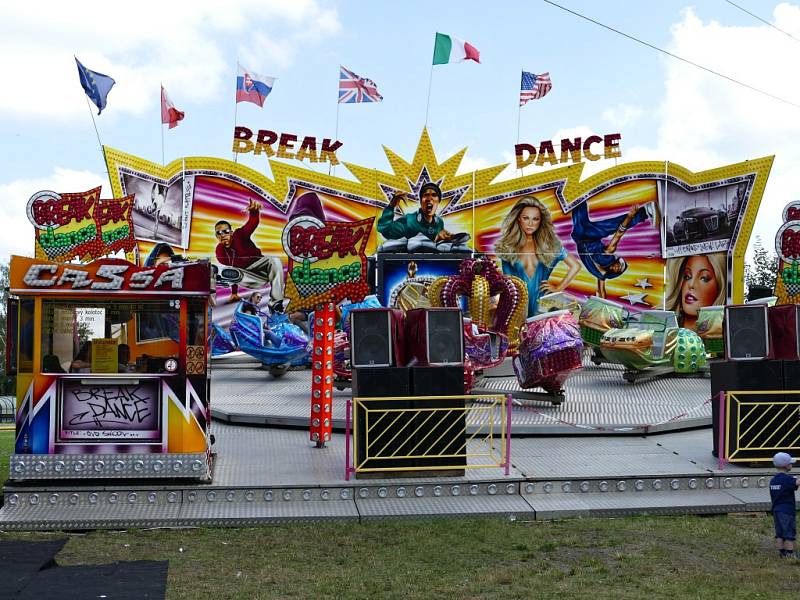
{"points": [[6, 448], [654, 557], [634, 557]]}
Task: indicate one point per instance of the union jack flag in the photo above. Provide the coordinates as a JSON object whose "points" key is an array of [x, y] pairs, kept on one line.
{"points": [[534, 86], [353, 88]]}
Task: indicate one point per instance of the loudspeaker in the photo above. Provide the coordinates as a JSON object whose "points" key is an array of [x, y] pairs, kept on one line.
{"points": [[435, 336], [743, 376], [757, 292], [389, 432], [747, 332], [376, 337], [440, 432], [783, 331]]}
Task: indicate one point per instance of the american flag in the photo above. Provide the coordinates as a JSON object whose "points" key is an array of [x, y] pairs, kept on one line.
{"points": [[353, 88], [534, 86]]}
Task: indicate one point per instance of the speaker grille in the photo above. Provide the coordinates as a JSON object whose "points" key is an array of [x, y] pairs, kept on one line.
{"points": [[445, 337], [371, 338], [747, 332]]}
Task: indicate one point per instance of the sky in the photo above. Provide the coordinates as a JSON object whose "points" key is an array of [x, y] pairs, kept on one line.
{"points": [[602, 83]]}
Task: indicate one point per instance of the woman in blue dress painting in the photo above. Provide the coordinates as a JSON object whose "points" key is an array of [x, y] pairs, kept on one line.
{"points": [[528, 248]]}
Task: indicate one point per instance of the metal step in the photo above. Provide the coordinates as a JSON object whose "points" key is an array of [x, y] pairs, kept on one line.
{"points": [[78, 506]]}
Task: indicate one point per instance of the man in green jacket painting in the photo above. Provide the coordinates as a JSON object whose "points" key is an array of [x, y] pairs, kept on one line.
{"points": [[424, 221]]}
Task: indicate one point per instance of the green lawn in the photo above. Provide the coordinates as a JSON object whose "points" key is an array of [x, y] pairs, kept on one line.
{"points": [[6, 448], [637, 557]]}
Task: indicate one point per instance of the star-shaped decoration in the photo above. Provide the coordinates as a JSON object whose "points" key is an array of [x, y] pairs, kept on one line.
{"points": [[643, 283], [634, 299], [449, 197]]}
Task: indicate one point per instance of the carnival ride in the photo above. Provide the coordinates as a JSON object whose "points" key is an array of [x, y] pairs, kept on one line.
{"points": [[652, 345], [709, 327], [596, 316], [545, 350], [270, 338]]}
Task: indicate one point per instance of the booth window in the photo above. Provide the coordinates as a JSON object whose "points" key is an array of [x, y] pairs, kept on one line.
{"points": [[197, 332], [26, 336], [109, 337]]}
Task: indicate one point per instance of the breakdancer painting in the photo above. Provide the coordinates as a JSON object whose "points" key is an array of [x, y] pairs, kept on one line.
{"points": [[236, 249], [598, 256]]}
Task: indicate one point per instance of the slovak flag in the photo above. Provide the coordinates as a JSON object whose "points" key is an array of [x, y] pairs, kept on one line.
{"points": [[252, 87], [169, 114]]}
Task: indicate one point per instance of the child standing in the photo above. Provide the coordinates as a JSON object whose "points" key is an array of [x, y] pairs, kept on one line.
{"points": [[781, 490]]}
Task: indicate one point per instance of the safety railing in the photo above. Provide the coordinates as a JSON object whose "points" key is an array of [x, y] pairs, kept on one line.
{"points": [[757, 424], [431, 433]]}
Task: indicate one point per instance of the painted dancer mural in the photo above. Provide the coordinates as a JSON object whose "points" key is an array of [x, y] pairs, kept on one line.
{"points": [[528, 248], [599, 235], [600, 258], [236, 249]]}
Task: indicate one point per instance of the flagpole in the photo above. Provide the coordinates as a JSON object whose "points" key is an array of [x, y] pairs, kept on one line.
{"points": [[335, 136], [428, 103], [96, 132], [236, 111], [162, 127], [519, 117]]}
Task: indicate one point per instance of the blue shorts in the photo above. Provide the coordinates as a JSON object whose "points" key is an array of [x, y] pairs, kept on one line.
{"points": [[784, 525]]}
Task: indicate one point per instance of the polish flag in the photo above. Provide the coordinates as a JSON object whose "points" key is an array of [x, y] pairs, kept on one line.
{"points": [[169, 114]]}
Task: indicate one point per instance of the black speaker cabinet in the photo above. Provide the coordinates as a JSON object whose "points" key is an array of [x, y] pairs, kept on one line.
{"points": [[784, 335], [390, 433], [757, 292], [747, 332], [376, 337], [730, 376], [440, 432], [435, 336]]}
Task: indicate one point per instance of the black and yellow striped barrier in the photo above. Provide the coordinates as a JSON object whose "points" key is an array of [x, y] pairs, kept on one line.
{"points": [[430, 433]]}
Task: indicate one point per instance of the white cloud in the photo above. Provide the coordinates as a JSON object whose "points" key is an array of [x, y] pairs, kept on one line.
{"points": [[708, 122], [181, 44], [18, 233], [623, 115], [475, 163]]}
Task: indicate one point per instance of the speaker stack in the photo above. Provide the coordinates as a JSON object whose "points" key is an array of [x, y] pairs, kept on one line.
{"points": [[436, 342], [376, 337], [393, 356], [762, 348], [747, 332]]}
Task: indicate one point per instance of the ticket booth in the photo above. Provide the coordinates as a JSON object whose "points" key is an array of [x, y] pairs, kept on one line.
{"points": [[111, 366]]}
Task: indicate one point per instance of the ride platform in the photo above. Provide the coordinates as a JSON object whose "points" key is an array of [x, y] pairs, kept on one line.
{"points": [[596, 400], [630, 458]]}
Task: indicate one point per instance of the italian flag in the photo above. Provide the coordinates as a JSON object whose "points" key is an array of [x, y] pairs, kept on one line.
{"points": [[450, 49]]}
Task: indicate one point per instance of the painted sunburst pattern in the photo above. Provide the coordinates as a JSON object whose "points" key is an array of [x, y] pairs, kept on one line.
{"points": [[472, 203]]}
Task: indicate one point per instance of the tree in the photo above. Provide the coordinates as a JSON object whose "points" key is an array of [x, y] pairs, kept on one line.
{"points": [[764, 268]]}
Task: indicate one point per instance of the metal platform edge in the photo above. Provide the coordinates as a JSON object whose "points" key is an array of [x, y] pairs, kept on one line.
{"points": [[82, 507], [517, 429], [34, 467]]}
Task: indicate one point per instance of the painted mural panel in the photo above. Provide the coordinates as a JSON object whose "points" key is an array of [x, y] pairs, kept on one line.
{"points": [[622, 233]]}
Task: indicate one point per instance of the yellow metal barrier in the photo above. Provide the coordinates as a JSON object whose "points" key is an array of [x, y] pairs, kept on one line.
{"points": [[756, 430], [430, 433]]}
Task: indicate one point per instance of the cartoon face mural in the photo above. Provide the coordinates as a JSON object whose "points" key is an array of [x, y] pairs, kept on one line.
{"points": [[607, 235]]}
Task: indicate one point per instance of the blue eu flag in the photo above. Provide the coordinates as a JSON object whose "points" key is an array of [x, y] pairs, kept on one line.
{"points": [[96, 85]]}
